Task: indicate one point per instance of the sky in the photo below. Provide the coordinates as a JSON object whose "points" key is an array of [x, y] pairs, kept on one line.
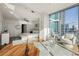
{"points": [[71, 16]]}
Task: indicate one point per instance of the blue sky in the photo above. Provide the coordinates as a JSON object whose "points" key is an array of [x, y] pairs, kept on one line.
{"points": [[71, 16]]}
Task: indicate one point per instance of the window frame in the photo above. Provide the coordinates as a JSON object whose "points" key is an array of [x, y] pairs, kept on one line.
{"points": [[75, 5]]}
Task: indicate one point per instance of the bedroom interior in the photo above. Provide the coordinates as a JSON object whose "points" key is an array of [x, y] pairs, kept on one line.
{"points": [[39, 29]]}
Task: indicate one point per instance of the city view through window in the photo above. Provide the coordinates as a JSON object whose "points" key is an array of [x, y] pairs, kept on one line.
{"points": [[70, 21]]}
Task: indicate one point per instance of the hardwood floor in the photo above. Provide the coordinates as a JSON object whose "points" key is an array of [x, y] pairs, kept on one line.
{"points": [[19, 50]]}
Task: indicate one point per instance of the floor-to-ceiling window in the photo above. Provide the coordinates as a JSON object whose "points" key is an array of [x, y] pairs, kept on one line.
{"points": [[65, 21], [71, 20], [54, 22]]}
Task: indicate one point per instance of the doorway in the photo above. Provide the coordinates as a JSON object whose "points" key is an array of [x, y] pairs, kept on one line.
{"points": [[24, 28]]}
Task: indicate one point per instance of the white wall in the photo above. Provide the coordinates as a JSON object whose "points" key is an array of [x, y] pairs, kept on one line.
{"points": [[11, 25], [29, 25], [1, 18], [19, 12]]}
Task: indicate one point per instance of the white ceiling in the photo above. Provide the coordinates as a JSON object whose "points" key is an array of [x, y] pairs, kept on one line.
{"points": [[47, 7], [6, 12], [23, 10]]}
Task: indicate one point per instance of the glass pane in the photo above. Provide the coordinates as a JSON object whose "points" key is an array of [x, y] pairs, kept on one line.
{"points": [[54, 22], [54, 16], [54, 26], [71, 20]]}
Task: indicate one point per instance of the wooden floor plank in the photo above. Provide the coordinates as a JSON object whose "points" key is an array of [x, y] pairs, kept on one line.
{"points": [[17, 50], [6, 50], [20, 51], [12, 50], [9, 45]]}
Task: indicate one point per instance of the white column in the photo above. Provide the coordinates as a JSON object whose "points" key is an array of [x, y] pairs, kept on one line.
{"points": [[44, 25]]}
